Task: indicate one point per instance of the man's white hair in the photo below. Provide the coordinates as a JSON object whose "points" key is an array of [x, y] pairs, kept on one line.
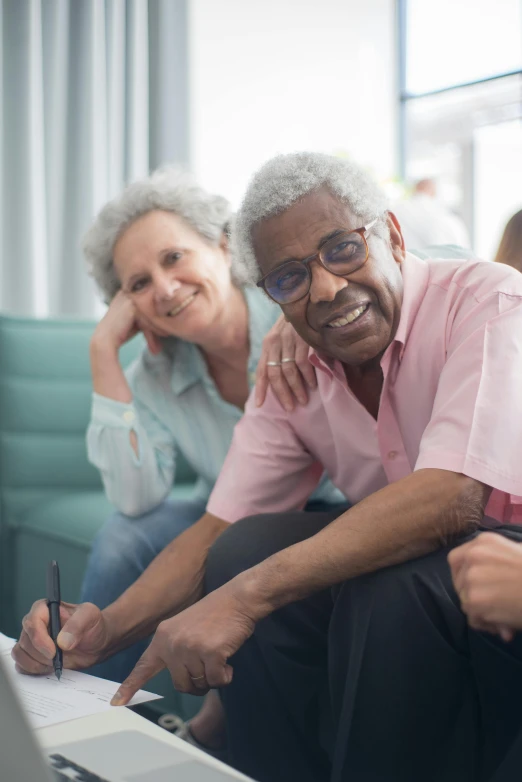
{"points": [[286, 179], [170, 189]]}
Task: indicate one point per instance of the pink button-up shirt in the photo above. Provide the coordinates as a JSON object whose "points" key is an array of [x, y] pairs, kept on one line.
{"points": [[451, 400]]}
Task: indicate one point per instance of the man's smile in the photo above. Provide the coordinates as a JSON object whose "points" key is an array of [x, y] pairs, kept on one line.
{"points": [[346, 318]]}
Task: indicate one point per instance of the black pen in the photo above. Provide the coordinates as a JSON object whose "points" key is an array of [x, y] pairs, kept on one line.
{"points": [[53, 601]]}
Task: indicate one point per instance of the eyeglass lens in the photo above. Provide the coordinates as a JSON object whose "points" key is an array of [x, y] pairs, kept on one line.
{"points": [[342, 255]]}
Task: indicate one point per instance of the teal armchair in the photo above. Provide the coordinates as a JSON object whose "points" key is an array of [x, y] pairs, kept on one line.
{"points": [[51, 499]]}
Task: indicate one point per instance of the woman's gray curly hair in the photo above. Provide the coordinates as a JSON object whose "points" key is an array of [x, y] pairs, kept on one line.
{"points": [[170, 189], [286, 179]]}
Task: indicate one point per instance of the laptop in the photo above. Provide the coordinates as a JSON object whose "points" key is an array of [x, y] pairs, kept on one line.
{"points": [[122, 756]]}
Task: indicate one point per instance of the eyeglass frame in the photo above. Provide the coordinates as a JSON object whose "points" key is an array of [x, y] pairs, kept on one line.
{"points": [[317, 256]]}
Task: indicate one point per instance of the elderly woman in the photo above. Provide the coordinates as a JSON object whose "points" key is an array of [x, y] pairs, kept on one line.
{"points": [[159, 253]]}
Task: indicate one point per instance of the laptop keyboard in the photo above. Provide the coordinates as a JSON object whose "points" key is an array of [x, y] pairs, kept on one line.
{"points": [[67, 771]]}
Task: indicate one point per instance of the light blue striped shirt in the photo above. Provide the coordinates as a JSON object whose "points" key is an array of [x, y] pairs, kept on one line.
{"points": [[176, 407]]}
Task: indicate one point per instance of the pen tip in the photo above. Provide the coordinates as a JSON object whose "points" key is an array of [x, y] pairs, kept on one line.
{"points": [[58, 674]]}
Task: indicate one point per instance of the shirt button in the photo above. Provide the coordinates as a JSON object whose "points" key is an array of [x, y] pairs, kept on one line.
{"points": [[392, 455], [129, 416]]}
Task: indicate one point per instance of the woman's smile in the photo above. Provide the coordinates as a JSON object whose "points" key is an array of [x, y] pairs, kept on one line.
{"points": [[182, 305]]}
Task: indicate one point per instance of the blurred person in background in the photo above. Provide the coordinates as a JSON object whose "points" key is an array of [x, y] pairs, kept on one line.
{"points": [[426, 221], [159, 253], [510, 247]]}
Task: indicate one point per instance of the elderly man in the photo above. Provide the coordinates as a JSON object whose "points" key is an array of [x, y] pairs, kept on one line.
{"points": [[338, 638]]}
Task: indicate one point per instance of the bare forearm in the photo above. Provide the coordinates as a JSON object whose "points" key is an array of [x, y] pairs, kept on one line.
{"points": [[404, 520], [108, 378], [171, 583]]}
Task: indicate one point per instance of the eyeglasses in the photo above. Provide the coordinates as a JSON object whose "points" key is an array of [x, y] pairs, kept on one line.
{"points": [[341, 255]]}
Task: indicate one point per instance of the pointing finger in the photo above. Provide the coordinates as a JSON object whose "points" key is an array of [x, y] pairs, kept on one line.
{"points": [[147, 666]]}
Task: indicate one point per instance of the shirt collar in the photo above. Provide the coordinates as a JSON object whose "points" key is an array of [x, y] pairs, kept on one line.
{"points": [[415, 277]]}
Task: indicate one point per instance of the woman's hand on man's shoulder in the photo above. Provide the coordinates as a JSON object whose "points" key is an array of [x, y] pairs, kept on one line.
{"points": [[285, 366]]}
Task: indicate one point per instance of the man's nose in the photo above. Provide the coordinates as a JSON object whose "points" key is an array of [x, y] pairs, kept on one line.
{"points": [[325, 285]]}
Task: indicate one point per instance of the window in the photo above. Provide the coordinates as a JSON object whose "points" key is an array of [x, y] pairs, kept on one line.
{"points": [[461, 107]]}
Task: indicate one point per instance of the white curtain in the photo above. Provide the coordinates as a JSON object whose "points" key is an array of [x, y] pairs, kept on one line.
{"points": [[78, 121]]}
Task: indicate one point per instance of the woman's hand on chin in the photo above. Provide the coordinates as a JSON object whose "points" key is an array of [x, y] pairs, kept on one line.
{"points": [[285, 366], [120, 324]]}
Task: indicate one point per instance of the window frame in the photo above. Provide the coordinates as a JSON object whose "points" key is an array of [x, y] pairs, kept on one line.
{"points": [[404, 96]]}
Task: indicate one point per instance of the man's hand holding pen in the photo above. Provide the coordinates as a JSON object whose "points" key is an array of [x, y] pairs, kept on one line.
{"points": [[84, 638]]}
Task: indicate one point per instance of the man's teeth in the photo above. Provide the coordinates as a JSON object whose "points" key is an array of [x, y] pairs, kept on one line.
{"points": [[354, 314], [181, 306]]}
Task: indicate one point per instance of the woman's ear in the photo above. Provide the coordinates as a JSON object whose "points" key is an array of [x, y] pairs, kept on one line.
{"points": [[396, 238]]}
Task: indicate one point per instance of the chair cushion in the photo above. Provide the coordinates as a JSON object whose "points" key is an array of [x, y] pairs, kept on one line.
{"points": [[73, 517], [76, 518]]}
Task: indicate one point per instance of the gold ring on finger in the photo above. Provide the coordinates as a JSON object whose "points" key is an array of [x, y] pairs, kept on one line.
{"points": [[274, 363], [287, 360], [197, 678]]}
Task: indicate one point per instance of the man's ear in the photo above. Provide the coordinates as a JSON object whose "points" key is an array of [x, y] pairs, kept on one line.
{"points": [[396, 238], [224, 242], [224, 245]]}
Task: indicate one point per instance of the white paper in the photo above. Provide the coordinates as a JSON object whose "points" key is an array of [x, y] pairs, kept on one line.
{"points": [[6, 644], [48, 701]]}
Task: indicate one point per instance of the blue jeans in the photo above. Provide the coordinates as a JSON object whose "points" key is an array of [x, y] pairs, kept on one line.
{"points": [[121, 551]]}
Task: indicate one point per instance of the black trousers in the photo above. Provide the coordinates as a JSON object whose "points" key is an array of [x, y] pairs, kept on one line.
{"points": [[378, 679]]}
